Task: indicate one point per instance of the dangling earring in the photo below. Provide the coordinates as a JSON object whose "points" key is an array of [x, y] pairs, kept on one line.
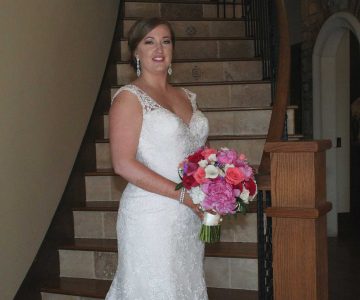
{"points": [[138, 71], [170, 70]]}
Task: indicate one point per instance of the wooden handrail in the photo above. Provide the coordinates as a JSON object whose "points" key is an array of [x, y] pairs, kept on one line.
{"points": [[277, 120]]}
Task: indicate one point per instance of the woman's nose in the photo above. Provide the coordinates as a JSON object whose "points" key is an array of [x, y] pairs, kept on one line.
{"points": [[159, 47]]}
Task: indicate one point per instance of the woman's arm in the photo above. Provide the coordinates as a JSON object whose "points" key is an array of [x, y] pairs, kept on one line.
{"points": [[125, 120]]}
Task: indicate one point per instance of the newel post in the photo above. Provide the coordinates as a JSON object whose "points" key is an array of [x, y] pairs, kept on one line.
{"points": [[298, 211]]}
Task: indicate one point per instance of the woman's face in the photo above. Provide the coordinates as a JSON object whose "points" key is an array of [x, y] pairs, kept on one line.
{"points": [[155, 50]]}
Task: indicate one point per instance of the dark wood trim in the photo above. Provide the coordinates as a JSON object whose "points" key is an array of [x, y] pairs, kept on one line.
{"points": [[95, 288], [220, 249], [194, 19]]}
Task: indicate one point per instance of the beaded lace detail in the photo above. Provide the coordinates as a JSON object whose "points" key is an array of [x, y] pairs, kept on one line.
{"points": [[160, 256]]}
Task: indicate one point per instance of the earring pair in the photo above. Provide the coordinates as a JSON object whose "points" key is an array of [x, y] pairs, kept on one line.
{"points": [[138, 70]]}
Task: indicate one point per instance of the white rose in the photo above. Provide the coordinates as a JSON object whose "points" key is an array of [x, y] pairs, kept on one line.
{"points": [[245, 195], [211, 171], [203, 163], [212, 157], [197, 195]]}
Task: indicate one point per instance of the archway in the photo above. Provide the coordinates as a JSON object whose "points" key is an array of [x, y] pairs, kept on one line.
{"points": [[331, 106]]}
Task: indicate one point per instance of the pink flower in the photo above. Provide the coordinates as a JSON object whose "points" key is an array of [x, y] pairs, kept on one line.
{"points": [[199, 176], [242, 157], [226, 156], [219, 197], [207, 152], [247, 171], [234, 176]]}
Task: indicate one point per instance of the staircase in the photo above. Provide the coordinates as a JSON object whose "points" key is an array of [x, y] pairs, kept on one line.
{"points": [[214, 59]]}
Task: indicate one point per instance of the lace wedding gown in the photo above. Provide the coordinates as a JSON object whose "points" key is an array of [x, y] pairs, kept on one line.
{"points": [[160, 256]]}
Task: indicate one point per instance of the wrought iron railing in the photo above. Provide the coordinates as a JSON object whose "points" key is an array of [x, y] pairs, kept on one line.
{"points": [[264, 228]]}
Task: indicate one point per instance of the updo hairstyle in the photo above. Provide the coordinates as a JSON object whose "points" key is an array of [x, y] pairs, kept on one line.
{"points": [[140, 29]]}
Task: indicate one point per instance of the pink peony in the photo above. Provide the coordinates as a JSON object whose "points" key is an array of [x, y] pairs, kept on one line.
{"points": [[226, 156], [199, 176], [234, 176], [219, 197]]}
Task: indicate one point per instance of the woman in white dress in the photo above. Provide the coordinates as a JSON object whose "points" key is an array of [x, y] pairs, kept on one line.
{"points": [[153, 127]]}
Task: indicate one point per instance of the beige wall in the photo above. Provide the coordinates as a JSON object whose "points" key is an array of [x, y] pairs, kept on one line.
{"points": [[52, 57]]}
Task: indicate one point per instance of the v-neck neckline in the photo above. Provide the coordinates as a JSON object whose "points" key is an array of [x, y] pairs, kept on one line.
{"points": [[168, 110]]}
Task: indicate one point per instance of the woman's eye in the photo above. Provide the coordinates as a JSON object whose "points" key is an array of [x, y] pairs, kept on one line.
{"points": [[167, 42], [149, 42]]}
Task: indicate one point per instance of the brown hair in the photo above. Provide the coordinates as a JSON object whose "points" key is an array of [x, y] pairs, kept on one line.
{"points": [[140, 29]]}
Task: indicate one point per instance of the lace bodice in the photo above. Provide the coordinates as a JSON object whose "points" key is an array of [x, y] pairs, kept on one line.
{"points": [[165, 139]]}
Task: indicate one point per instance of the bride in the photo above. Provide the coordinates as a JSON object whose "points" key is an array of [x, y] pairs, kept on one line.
{"points": [[153, 127]]}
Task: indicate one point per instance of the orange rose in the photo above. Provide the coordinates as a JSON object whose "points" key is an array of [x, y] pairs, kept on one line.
{"points": [[199, 176], [234, 176]]}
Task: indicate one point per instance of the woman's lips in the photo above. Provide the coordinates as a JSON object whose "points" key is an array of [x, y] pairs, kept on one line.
{"points": [[158, 59]]}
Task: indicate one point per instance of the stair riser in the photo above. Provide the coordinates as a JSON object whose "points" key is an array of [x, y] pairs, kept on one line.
{"points": [[237, 273], [233, 95], [201, 28], [178, 10], [248, 122], [202, 72], [252, 148], [205, 49], [104, 188], [101, 224]]}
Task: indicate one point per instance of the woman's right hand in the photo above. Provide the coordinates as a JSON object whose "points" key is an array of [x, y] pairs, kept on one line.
{"points": [[194, 207]]}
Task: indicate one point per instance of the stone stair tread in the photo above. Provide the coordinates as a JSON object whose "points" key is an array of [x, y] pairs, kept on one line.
{"points": [[96, 288], [187, 60], [114, 206], [220, 249]]}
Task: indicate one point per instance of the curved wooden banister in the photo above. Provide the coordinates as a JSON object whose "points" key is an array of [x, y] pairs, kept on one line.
{"points": [[282, 85]]}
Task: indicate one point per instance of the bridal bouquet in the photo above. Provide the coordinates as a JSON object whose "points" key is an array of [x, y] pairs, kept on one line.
{"points": [[221, 182]]}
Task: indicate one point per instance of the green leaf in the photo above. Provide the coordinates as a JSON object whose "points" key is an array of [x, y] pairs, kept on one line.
{"points": [[179, 186]]}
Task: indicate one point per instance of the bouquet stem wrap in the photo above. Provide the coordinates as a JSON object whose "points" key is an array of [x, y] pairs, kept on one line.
{"points": [[210, 229]]}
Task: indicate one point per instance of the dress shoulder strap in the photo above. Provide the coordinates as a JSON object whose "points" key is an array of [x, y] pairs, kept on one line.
{"points": [[192, 97], [146, 102]]}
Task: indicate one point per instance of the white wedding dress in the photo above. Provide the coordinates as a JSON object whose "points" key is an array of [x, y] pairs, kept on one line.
{"points": [[160, 256]]}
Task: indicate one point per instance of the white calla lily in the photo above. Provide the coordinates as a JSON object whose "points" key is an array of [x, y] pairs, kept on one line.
{"points": [[211, 171]]}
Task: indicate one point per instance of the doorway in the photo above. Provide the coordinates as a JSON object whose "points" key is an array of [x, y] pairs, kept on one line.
{"points": [[331, 106]]}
